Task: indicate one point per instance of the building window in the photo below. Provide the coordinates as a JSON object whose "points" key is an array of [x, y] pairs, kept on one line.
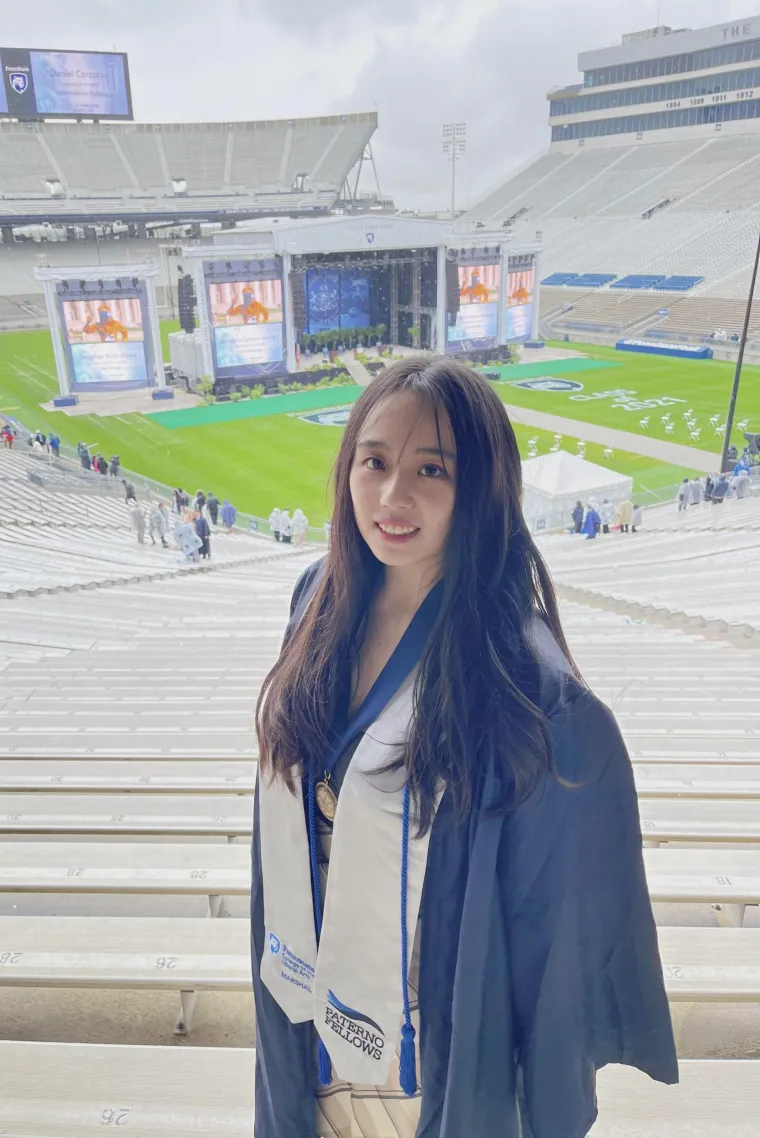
{"points": [[674, 64], [658, 92], [633, 124]]}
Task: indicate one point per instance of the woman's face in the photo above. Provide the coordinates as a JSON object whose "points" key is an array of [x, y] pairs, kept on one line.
{"points": [[403, 482]]}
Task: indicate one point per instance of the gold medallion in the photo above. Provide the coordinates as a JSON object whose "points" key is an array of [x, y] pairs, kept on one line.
{"points": [[326, 799]]}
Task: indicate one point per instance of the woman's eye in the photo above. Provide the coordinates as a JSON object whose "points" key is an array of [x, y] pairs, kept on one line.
{"points": [[432, 470], [373, 463]]}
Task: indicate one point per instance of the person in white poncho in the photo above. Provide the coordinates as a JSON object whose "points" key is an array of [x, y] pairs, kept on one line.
{"points": [[300, 526]]}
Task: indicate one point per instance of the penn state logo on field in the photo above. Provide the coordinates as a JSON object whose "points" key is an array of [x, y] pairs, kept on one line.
{"points": [[274, 945], [370, 238], [549, 383], [19, 81], [336, 418]]}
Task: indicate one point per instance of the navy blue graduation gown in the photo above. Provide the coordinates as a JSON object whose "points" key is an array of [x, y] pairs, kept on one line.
{"points": [[538, 957]]}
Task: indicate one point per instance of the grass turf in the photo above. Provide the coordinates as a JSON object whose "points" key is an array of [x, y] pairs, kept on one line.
{"points": [[700, 386], [261, 462]]}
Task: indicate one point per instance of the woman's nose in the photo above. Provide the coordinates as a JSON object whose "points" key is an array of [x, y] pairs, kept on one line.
{"points": [[396, 492]]}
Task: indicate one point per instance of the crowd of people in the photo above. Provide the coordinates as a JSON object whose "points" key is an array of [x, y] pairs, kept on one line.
{"points": [[195, 519], [38, 443], [626, 517], [593, 519], [98, 462], [190, 523], [715, 488], [286, 529]]}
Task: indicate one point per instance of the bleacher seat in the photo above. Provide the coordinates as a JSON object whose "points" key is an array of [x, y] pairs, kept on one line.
{"points": [[675, 567], [679, 284], [105, 167], [559, 278], [639, 280], [591, 280], [606, 311], [147, 1090]]}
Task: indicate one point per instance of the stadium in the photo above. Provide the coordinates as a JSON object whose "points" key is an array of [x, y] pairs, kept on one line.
{"points": [[204, 302]]}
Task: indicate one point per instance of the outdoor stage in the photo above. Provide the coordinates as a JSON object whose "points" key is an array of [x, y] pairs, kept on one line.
{"points": [[285, 290]]}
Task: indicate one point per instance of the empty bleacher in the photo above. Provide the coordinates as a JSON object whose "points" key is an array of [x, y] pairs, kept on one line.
{"points": [[602, 310], [701, 316], [678, 283], [685, 212], [699, 567], [103, 168], [639, 280]]}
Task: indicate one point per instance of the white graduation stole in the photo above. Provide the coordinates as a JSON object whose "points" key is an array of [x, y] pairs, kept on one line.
{"points": [[352, 986]]}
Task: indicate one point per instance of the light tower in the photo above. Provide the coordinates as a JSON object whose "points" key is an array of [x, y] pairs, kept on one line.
{"points": [[454, 141]]}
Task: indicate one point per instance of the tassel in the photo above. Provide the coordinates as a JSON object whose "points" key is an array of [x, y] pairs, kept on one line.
{"points": [[408, 1064], [325, 1066]]}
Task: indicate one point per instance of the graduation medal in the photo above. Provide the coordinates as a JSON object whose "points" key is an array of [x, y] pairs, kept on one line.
{"points": [[326, 798]]}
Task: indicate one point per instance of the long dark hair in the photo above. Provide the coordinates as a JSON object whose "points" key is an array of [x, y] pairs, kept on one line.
{"points": [[477, 686]]}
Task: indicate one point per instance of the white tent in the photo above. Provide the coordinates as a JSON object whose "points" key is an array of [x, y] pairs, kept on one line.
{"points": [[553, 483]]}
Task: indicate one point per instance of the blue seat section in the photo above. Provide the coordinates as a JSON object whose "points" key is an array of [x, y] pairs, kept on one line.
{"points": [[640, 280], [657, 348], [633, 281], [679, 284], [591, 280], [558, 278]]}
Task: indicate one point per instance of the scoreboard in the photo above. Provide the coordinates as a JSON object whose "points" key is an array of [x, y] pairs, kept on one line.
{"points": [[64, 84]]}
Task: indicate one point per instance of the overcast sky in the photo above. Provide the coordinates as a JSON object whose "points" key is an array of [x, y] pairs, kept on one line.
{"points": [[419, 63]]}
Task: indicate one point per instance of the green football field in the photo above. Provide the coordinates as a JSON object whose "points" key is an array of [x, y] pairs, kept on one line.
{"points": [[275, 458], [671, 386]]}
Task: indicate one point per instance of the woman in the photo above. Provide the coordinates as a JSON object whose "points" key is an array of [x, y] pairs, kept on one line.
{"points": [[138, 522], [228, 515], [427, 747], [300, 526], [274, 523], [203, 530], [591, 522], [636, 518], [159, 525], [625, 513], [187, 539], [577, 516]]}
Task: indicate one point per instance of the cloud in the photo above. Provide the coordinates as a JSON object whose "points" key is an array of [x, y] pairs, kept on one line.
{"points": [[494, 75], [420, 63]]}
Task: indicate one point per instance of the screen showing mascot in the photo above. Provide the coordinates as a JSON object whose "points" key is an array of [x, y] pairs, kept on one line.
{"points": [[519, 301], [247, 321], [107, 340], [477, 320]]}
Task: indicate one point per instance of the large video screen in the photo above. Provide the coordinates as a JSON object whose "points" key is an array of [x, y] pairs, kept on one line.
{"points": [[336, 299], [106, 340], [247, 320], [518, 314], [64, 84], [478, 317]]}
